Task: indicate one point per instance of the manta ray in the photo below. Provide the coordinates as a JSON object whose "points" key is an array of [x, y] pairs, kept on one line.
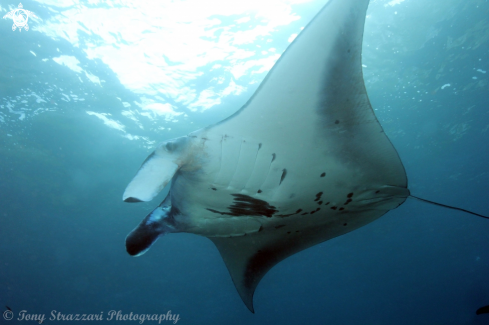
{"points": [[303, 161]]}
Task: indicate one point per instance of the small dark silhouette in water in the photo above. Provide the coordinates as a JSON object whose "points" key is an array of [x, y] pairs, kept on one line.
{"points": [[483, 310], [8, 308]]}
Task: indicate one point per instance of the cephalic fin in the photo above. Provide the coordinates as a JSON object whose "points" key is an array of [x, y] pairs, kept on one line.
{"points": [[156, 224], [156, 171], [151, 178]]}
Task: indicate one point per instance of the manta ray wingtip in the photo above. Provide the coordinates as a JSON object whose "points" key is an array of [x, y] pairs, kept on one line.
{"points": [[248, 301]]}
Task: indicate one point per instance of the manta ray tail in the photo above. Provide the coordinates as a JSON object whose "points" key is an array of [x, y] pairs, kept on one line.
{"points": [[449, 206], [156, 224]]}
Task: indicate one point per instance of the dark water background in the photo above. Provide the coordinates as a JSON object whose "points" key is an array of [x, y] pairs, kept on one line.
{"points": [[62, 174]]}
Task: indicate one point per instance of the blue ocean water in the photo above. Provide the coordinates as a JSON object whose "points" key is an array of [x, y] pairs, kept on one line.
{"points": [[92, 87]]}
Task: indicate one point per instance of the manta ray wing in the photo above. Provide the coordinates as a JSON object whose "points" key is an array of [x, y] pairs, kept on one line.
{"points": [[312, 116], [249, 258]]}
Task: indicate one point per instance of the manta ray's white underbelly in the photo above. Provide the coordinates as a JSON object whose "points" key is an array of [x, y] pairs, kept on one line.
{"points": [[249, 186]]}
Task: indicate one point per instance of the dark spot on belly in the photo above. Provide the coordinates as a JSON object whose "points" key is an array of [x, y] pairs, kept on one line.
{"points": [[327, 203], [318, 196], [214, 189], [259, 191], [377, 192], [304, 213], [300, 210], [288, 232], [344, 224], [215, 211], [347, 201], [320, 202], [323, 174], [349, 195], [337, 122], [285, 215], [333, 208], [284, 173], [341, 209], [279, 226], [312, 212], [245, 205]]}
